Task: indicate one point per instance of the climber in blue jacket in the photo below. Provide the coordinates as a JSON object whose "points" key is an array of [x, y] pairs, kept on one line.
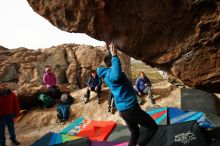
{"points": [[125, 99]]}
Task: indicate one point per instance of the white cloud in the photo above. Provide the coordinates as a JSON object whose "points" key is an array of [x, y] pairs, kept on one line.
{"points": [[20, 26]]}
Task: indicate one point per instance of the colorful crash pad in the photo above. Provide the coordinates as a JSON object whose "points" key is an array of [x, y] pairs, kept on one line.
{"points": [[78, 142], [44, 140], [158, 114], [164, 116], [122, 144], [107, 143], [75, 126], [61, 138], [95, 130], [121, 133], [55, 139], [179, 116]]}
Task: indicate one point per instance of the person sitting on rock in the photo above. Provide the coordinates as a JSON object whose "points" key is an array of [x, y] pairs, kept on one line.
{"points": [[50, 80], [126, 101], [49, 77], [143, 86], [94, 84], [9, 109]]}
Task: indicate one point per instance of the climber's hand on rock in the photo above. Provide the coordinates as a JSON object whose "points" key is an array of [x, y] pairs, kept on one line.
{"points": [[113, 49]]}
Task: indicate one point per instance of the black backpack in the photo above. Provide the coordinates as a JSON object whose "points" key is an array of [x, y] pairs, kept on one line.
{"points": [[47, 101]]}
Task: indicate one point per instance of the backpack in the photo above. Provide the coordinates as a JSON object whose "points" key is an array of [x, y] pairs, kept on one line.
{"points": [[47, 101], [63, 112], [67, 99]]}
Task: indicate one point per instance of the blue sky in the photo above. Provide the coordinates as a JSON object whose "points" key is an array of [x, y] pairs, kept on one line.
{"points": [[20, 26]]}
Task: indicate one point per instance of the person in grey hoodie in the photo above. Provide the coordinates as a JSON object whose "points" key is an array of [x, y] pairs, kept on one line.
{"points": [[126, 101]]}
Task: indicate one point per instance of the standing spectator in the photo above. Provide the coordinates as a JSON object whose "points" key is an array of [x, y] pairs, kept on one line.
{"points": [[9, 109], [94, 84], [143, 86]]}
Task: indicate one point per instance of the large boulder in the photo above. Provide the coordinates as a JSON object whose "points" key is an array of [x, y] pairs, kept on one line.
{"points": [[22, 69], [179, 36], [71, 64]]}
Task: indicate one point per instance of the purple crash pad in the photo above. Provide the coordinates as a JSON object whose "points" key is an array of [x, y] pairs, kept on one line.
{"points": [[103, 143]]}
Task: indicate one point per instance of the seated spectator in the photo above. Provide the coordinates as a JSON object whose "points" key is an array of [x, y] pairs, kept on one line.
{"points": [[50, 80], [143, 86], [94, 84]]}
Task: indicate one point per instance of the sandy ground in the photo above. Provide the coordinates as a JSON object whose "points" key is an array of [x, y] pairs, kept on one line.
{"points": [[39, 121]]}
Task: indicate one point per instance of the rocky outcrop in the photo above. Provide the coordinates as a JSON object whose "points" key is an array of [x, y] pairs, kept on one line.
{"points": [[71, 64], [181, 37], [22, 69]]}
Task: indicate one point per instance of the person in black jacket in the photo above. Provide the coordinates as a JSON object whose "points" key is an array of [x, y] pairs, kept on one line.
{"points": [[94, 84]]}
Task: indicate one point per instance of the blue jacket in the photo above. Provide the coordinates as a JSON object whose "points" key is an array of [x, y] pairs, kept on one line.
{"points": [[140, 84], [120, 86], [93, 82]]}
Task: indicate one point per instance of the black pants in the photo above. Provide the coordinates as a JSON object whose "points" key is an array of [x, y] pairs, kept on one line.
{"points": [[136, 116], [111, 103], [54, 92], [93, 89]]}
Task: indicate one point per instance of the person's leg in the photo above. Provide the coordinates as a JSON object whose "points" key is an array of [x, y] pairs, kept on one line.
{"points": [[140, 100], [112, 105], [10, 124], [98, 92], [148, 91], [109, 101], [86, 96], [2, 131], [87, 93], [149, 127], [132, 126]]}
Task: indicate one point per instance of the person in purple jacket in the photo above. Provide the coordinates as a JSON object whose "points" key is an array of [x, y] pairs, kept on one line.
{"points": [[50, 80], [143, 86]]}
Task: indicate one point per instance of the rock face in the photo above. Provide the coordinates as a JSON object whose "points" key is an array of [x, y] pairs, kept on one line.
{"points": [[72, 64], [181, 37], [22, 69]]}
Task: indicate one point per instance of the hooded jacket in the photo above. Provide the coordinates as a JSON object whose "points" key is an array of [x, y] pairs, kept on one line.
{"points": [[120, 86], [49, 78], [142, 83], [94, 82], [8, 103]]}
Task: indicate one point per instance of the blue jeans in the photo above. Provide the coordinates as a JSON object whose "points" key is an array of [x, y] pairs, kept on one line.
{"points": [[9, 121]]}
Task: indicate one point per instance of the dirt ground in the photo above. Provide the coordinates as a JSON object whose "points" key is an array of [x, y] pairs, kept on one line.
{"points": [[38, 121]]}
